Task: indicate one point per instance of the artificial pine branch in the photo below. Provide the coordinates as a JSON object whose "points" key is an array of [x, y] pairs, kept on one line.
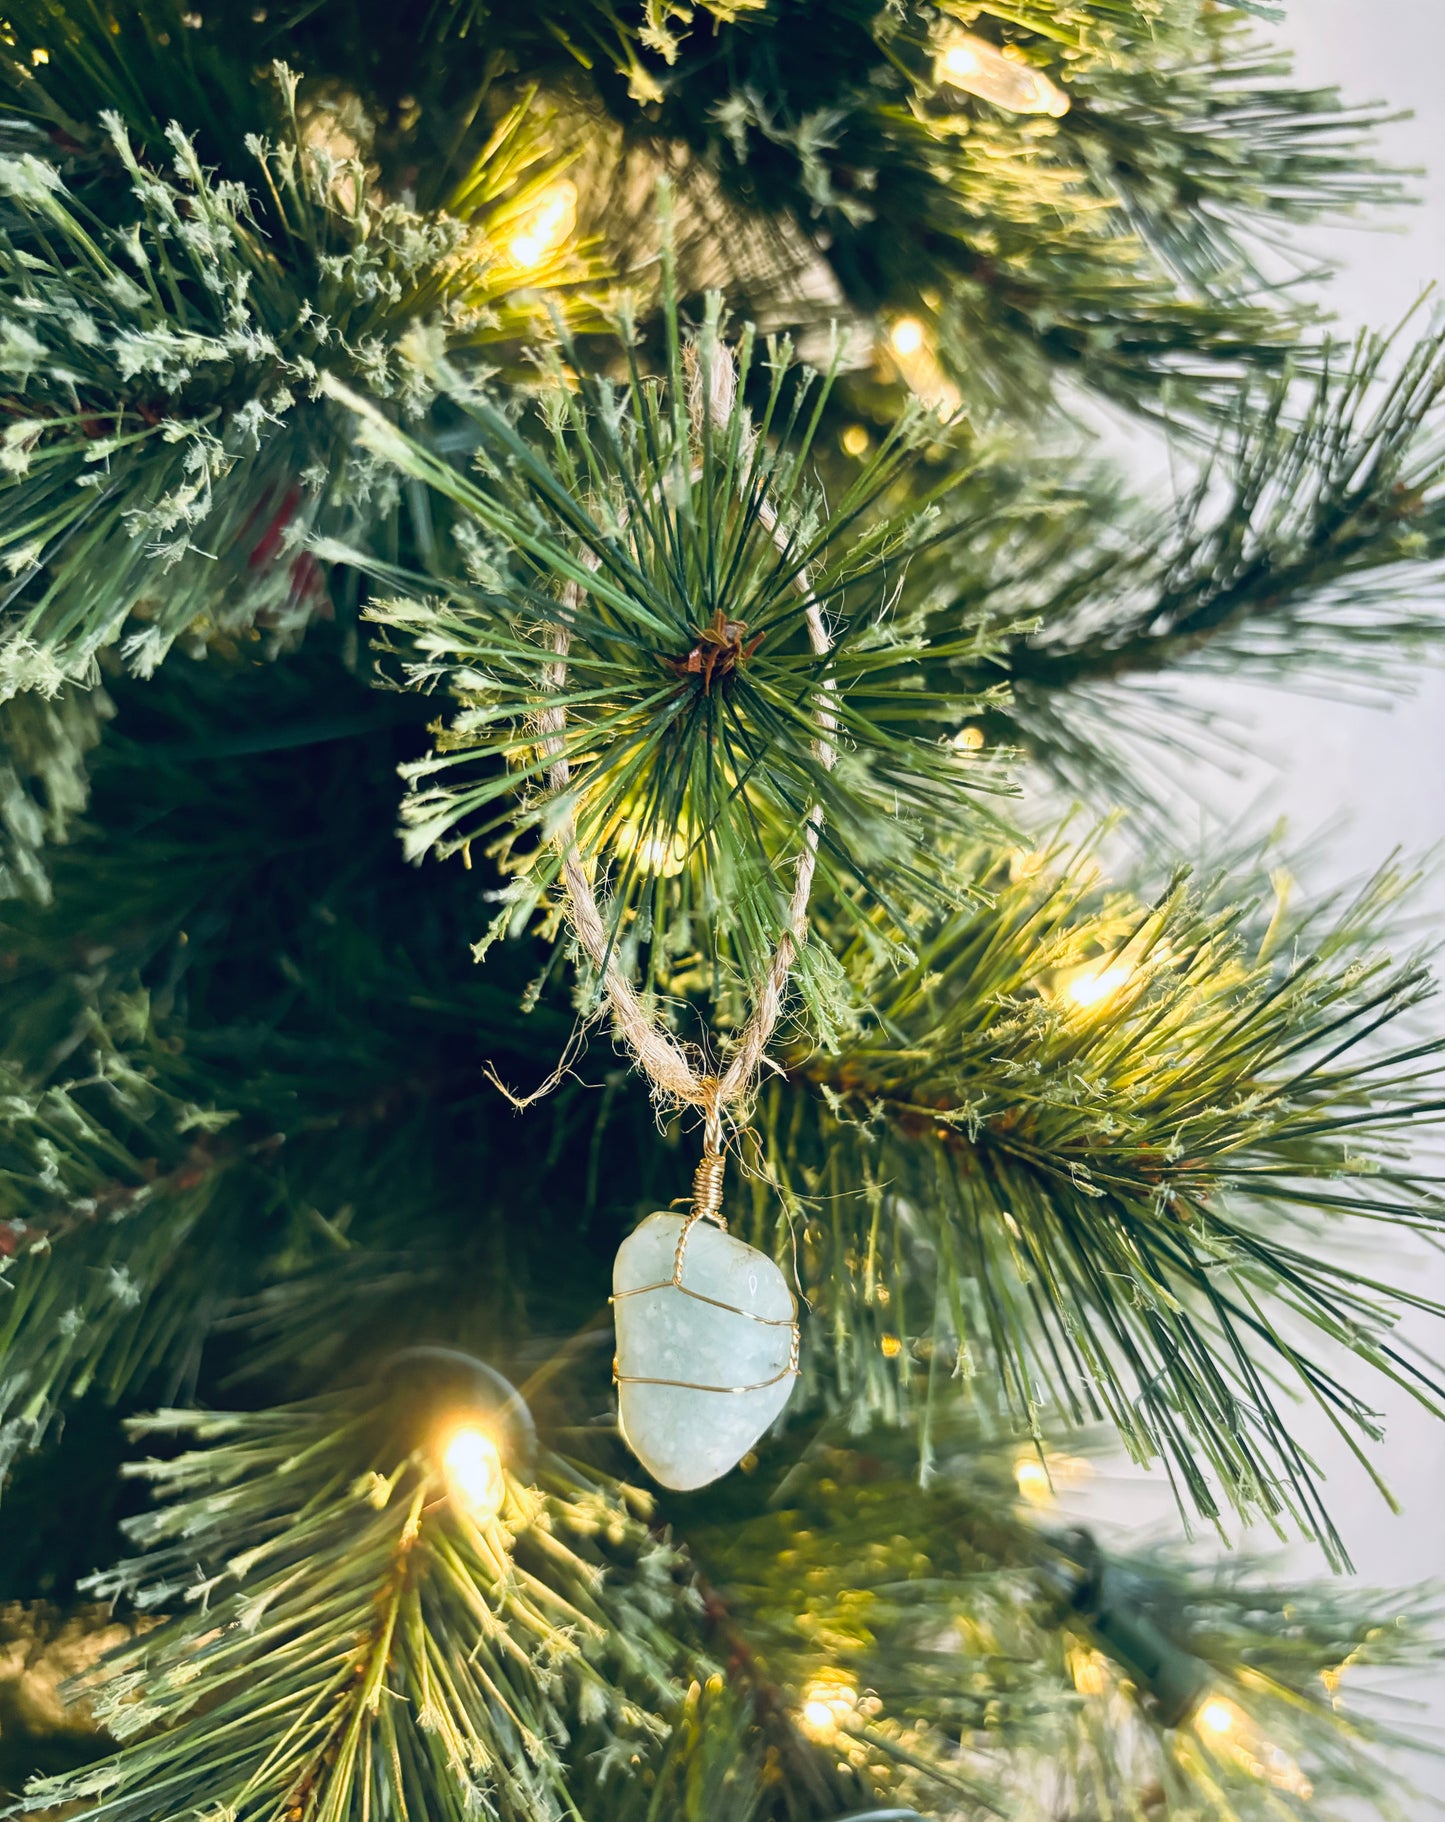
{"points": [[681, 554], [957, 1648], [1114, 245], [954, 1664], [1117, 245], [181, 1183], [345, 1639], [1105, 1156], [43, 782], [167, 452], [1065, 1144], [1309, 543]]}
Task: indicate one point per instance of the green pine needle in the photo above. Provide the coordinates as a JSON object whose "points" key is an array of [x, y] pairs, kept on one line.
{"points": [[345, 1639], [165, 453], [695, 705], [1105, 1161]]}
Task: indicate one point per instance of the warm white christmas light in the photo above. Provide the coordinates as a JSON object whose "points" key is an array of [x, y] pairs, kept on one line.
{"points": [[551, 219], [1095, 985], [980, 68], [473, 1466], [1226, 1729], [828, 1702], [906, 336], [918, 366], [1219, 1718], [659, 856], [1033, 1480]]}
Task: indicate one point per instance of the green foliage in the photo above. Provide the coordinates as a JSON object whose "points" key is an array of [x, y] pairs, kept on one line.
{"points": [[324, 1225], [343, 1636], [946, 1656], [1309, 541], [1104, 1158], [43, 783], [1120, 246], [349, 1640], [184, 1184], [167, 452], [113, 1186], [1043, 1157], [679, 549]]}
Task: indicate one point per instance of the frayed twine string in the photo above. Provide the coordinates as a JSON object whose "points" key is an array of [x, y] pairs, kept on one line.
{"points": [[678, 1072]]}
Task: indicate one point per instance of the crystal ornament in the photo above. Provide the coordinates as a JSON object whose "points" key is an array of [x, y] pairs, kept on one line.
{"points": [[707, 1347]]}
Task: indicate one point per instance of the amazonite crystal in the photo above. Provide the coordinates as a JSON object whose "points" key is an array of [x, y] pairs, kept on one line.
{"points": [[683, 1437]]}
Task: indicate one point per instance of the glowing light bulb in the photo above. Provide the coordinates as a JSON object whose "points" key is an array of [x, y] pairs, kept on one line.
{"points": [[1033, 1480], [1095, 985], [828, 1702], [980, 68], [906, 336], [1228, 1730], [659, 856], [958, 61], [918, 366], [1219, 1717], [474, 1472], [552, 218]]}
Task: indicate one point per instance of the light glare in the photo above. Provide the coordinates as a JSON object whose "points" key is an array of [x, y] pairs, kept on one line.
{"points": [[552, 219], [1096, 985], [980, 68], [1218, 1717], [906, 335], [1033, 1480], [959, 60], [828, 1702], [659, 856], [473, 1467], [1240, 1740]]}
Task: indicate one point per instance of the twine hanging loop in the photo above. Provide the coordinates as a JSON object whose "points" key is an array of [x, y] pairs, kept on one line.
{"points": [[666, 1062]]}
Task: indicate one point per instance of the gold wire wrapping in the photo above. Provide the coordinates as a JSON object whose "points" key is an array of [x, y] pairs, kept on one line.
{"points": [[707, 1190], [707, 1206]]}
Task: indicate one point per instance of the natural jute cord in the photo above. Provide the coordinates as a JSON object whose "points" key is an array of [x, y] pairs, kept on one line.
{"points": [[660, 1056]]}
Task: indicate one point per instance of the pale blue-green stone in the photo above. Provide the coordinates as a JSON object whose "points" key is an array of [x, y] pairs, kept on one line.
{"points": [[687, 1438]]}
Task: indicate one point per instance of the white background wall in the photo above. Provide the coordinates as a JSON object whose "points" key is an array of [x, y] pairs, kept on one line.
{"points": [[1378, 774]]}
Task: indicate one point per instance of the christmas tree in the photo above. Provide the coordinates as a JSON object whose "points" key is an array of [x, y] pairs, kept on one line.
{"points": [[588, 1142]]}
